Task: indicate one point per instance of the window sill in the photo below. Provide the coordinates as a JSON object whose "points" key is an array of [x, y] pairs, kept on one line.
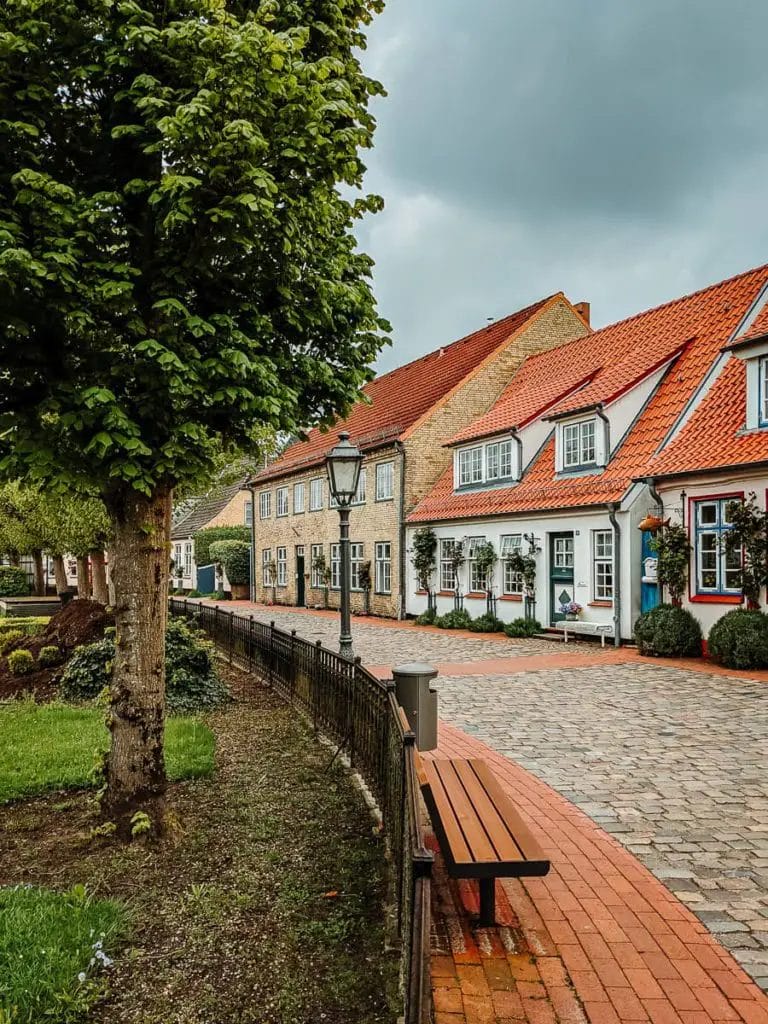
{"points": [[477, 595], [716, 599], [382, 500], [600, 604], [445, 593], [511, 597], [382, 593]]}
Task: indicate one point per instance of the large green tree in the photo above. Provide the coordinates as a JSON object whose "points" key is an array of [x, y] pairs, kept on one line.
{"points": [[177, 264]]}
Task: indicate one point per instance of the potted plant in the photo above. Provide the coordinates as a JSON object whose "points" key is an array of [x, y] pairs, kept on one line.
{"points": [[365, 581], [571, 610], [235, 558]]}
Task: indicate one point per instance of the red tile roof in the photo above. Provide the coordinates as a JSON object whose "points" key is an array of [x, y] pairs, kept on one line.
{"points": [[397, 400], [758, 329], [697, 326]]}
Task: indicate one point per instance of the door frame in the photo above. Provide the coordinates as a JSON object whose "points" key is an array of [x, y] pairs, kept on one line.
{"points": [[301, 583], [555, 616]]}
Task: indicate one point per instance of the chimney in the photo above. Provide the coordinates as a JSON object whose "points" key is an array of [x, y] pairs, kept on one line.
{"points": [[582, 308]]}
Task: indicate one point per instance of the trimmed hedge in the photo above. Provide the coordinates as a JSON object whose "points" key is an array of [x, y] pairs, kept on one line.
{"points": [[235, 556], [21, 663], [668, 632], [521, 628], [426, 618], [30, 625], [13, 581], [486, 623], [205, 538], [740, 639]]}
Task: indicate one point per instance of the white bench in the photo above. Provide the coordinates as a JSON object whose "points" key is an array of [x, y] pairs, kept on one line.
{"points": [[600, 629]]}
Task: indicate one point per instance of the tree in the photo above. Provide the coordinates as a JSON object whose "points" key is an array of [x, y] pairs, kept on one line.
{"points": [[177, 265], [748, 537], [674, 555], [423, 560]]}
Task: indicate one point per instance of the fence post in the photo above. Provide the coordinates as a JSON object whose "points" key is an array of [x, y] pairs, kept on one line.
{"points": [[292, 662], [231, 635], [316, 688], [270, 675], [250, 643]]}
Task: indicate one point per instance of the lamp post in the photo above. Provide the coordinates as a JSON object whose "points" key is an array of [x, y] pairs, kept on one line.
{"points": [[343, 465]]}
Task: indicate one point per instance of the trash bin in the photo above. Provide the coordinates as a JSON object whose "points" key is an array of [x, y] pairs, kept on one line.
{"points": [[418, 700]]}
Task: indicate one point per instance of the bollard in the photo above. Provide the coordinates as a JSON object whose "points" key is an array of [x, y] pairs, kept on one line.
{"points": [[418, 700]]}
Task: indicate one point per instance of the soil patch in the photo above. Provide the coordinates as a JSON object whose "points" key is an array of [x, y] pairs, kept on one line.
{"points": [[264, 904]]}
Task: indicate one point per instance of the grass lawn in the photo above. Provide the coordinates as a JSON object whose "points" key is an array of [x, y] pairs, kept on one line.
{"points": [[54, 746], [53, 947]]}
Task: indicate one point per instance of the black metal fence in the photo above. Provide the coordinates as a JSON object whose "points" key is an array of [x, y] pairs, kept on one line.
{"points": [[360, 714]]}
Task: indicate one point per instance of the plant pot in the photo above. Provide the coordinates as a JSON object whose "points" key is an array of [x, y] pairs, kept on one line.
{"points": [[571, 616], [240, 591]]}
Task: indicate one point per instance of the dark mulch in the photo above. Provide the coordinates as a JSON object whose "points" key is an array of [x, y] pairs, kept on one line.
{"points": [[265, 901], [79, 622]]}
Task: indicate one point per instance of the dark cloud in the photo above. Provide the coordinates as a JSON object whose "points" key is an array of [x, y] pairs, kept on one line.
{"points": [[616, 151]]}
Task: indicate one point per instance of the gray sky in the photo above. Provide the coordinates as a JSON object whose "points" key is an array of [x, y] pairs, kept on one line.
{"points": [[613, 149]]}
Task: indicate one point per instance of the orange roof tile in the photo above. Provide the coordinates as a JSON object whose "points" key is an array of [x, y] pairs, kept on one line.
{"points": [[697, 326], [396, 400], [757, 329]]}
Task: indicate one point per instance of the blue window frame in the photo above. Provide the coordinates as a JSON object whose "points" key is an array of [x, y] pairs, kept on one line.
{"points": [[762, 393], [718, 571]]}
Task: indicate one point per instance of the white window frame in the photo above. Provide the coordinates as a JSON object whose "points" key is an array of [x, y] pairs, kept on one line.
{"points": [[188, 550], [477, 584], [762, 394], [281, 502], [564, 553], [335, 566], [265, 505], [579, 443], [449, 581], [248, 512], [491, 463], [512, 582], [316, 494], [299, 494], [715, 548], [281, 561], [383, 577], [470, 466], [356, 559], [359, 498], [316, 550], [385, 481], [603, 582], [266, 559]]}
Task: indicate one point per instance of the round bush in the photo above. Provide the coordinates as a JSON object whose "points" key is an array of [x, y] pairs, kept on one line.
{"points": [[457, 619], [668, 632], [191, 680], [486, 623], [49, 656], [235, 556], [21, 663], [521, 628], [427, 618], [740, 639], [13, 581], [10, 637]]}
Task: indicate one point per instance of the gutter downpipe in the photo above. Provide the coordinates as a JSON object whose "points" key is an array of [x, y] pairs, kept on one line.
{"points": [[253, 542], [656, 497], [607, 433], [612, 510], [518, 441], [401, 530]]}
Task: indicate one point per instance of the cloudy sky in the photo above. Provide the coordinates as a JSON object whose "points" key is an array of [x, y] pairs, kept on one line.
{"points": [[613, 149]]}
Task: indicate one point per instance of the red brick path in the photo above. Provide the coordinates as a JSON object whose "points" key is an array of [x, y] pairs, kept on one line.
{"points": [[599, 939]]}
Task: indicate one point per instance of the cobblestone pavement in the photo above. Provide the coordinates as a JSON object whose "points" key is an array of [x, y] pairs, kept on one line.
{"points": [[672, 763]]}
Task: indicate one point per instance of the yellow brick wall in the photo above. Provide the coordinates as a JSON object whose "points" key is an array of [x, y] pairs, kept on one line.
{"points": [[234, 513]]}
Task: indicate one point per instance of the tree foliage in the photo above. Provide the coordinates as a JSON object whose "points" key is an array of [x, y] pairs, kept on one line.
{"points": [[749, 536], [205, 539], [235, 556], [674, 554], [423, 558]]}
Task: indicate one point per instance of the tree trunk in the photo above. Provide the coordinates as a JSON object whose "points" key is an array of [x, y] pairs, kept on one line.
{"points": [[110, 580], [99, 570], [39, 573], [135, 767], [83, 578], [60, 574]]}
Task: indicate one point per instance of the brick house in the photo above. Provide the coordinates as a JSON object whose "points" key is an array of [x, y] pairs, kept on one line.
{"points": [[401, 428], [586, 427]]}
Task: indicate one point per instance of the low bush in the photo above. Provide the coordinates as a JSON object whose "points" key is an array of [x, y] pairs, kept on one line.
{"points": [[30, 625], [426, 618], [49, 656], [221, 595], [740, 639], [9, 637], [459, 618], [194, 593], [668, 632], [13, 581], [521, 628], [21, 663], [486, 623], [191, 680]]}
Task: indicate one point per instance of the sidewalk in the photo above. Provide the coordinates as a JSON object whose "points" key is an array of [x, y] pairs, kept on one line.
{"points": [[599, 939]]}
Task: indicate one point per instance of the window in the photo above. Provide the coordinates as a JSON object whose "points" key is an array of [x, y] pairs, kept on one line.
{"points": [[336, 566], [579, 444], [563, 553], [356, 561], [718, 571], [470, 466], [763, 397], [266, 567], [477, 578], [511, 544], [316, 494], [282, 567], [282, 501], [448, 580], [384, 567], [385, 481], [359, 498], [188, 558], [498, 460], [178, 556], [602, 565], [265, 504], [298, 498], [317, 580], [248, 512]]}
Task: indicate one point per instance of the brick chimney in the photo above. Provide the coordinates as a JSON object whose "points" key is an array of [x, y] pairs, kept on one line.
{"points": [[583, 309]]}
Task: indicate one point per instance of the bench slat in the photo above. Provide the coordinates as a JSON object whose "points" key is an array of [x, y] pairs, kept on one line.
{"points": [[480, 847], [492, 817], [527, 843], [445, 820]]}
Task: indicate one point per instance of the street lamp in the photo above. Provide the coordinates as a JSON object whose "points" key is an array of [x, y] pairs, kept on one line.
{"points": [[343, 464]]}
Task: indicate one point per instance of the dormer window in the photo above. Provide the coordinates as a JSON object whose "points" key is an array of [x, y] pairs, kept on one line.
{"points": [[579, 444], [492, 463], [763, 393], [470, 466]]}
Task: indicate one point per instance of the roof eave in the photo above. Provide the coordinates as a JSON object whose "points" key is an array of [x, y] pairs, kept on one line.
{"points": [[705, 471]]}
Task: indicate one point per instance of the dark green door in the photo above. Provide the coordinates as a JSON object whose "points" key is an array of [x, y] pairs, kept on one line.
{"points": [[301, 590], [560, 573]]}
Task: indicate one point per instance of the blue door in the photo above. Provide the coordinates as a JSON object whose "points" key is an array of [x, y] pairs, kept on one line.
{"points": [[649, 589], [206, 579], [561, 590]]}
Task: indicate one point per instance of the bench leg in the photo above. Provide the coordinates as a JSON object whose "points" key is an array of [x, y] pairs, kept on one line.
{"points": [[487, 902]]}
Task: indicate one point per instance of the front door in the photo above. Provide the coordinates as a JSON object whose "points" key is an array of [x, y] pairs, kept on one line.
{"points": [[561, 588], [301, 590]]}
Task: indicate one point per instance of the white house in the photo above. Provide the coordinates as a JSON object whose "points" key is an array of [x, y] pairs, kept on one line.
{"points": [[223, 506]]}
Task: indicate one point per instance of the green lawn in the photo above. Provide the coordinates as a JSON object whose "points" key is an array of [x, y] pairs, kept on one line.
{"points": [[54, 948], [54, 746]]}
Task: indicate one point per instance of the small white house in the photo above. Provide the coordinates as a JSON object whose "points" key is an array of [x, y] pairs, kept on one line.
{"points": [[223, 506]]}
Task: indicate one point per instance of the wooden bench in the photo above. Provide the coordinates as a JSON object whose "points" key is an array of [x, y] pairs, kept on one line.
{"points": [[480, 832], [601, 629]]}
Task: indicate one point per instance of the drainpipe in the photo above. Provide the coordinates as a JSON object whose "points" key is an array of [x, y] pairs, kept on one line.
{"points": [[606, 433], [516, 438], [656, 498], [612, 510], [401, 531], [253, 542]]}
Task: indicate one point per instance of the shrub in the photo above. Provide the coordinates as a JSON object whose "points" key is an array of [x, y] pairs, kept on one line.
{"points": [[21, 663], [205, 538], [194, 593], [13, 581], [30, 625], [740, 639], [220, 595], [9, 637], [668, 632], [49, 656], [110, 632], [191, 681], [235, 556], [486, 623], [521, 628], [457, 619], [427, 618]]}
